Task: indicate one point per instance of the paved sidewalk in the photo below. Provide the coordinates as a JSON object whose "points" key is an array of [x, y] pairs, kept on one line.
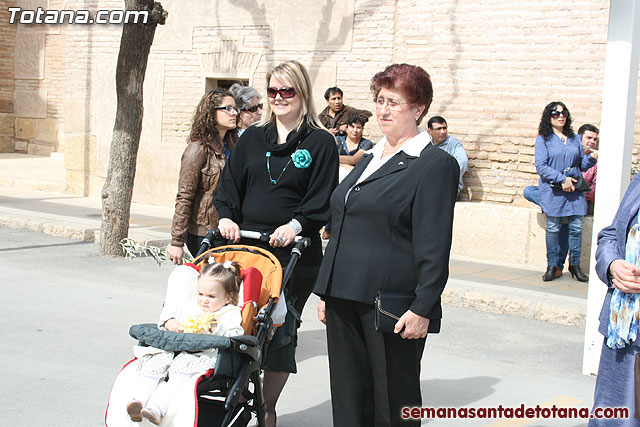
{"points": [[492, 287]]}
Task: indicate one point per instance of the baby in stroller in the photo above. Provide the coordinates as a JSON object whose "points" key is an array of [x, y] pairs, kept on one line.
{"points": [[213, 311], [229, 393]]}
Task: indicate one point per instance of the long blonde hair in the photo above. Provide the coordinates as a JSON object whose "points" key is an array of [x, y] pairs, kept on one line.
{"points": [[299, 78]]}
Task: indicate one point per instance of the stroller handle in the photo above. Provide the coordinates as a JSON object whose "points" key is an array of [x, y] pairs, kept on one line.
{"points": [[264, 237], [213, 239]]}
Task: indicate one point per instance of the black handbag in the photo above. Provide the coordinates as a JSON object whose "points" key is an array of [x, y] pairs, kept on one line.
{"points": [[580, 184], [389, 306]]}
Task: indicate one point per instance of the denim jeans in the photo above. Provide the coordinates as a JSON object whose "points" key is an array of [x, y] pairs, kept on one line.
{"points": [[554, 225], [532, 194]]}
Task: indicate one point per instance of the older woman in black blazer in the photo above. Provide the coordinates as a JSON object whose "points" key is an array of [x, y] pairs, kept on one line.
{"points": [[392, 218]]}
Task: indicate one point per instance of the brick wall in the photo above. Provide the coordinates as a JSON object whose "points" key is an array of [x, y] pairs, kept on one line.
{"points": [[494, 66], [7, 53], [494, 79]]}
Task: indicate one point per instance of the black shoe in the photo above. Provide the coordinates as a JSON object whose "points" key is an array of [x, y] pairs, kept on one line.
{"points": [[577, 274], [550, 274]]}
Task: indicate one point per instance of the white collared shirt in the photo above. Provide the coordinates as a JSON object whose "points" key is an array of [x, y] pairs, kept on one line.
{"points": [[412, 147]]}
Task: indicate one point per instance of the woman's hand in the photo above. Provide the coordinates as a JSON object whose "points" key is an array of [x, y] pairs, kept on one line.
{"points": [[322, 315], [567, 185], [172, 325], [282, 237], [594, 153], [229, 230], [176, 254], [415, 326], [626, 276]]}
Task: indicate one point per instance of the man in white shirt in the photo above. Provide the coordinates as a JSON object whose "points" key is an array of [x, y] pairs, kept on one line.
{"points": [[437, 128]]}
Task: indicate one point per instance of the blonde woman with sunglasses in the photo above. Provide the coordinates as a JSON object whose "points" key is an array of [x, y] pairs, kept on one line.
{"points": [[278, 180]]}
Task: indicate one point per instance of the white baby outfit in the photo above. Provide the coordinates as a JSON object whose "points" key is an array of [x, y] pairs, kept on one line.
{"points": [[154, 364]]}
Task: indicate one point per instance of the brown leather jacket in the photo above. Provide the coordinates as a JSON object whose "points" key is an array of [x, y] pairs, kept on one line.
{"points": [[200, 171], [342, 117]]}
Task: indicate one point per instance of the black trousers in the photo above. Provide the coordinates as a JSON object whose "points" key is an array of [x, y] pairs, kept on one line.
{"points": [[373, 375], [281, 352], [193, 243]]}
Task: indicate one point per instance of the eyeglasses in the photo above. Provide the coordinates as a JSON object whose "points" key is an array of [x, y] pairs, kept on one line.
{"points": [[392, 104], [556, 114], [285, 92], [254, 108], [228, 108]]}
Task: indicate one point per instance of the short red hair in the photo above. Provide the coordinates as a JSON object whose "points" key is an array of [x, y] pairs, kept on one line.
{"points": [[412, 81]]}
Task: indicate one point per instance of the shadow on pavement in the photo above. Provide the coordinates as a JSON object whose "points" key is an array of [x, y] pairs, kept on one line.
{"points": [[319, 415], [311, 344], [439, 393], [20, 248]]}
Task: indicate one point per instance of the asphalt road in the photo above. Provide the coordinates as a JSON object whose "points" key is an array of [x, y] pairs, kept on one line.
{"points": [[67, 311]]}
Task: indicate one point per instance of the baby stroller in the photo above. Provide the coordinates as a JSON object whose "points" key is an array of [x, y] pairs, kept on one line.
{"points": [[230, 394]]}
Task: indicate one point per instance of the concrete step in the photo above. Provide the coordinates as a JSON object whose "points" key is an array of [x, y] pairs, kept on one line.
{"points": [[33, 173]]}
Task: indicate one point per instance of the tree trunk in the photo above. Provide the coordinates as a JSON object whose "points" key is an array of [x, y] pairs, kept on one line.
{"points": [[135, 45]]}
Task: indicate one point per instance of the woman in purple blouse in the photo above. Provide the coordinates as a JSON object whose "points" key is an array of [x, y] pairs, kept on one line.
{"points": [[560, 159]]}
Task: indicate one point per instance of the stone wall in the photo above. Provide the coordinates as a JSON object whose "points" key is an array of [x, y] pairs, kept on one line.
{"points": [[7, 81], [39, 82], [507, 234]]}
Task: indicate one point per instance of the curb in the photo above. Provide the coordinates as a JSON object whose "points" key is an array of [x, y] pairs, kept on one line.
{"points": [[513, 301], [491, 298], [57, 229], [76, 231], [33, 185]]}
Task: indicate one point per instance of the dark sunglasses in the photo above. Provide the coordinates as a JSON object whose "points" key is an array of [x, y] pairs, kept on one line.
{"points": [[255, 107], [285, 92], [228, 108], [556, 114]]}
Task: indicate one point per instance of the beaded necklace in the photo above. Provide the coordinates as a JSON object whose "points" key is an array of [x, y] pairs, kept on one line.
{"points": [[268, 155]]}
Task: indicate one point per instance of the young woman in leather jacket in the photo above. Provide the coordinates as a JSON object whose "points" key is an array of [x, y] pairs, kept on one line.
{"points": [[210, 141]]}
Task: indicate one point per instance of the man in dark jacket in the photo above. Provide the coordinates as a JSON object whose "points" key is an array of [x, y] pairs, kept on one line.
{"points": [[335, 116]]}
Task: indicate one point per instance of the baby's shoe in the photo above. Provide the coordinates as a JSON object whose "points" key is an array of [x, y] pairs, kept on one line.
{"points": [[152, 414], [133, 409]]}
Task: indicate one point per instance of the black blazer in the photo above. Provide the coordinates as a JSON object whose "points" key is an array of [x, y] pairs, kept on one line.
{"points": [[394, 231]]}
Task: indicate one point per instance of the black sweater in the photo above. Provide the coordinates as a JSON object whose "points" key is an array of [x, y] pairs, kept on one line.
{"points": [[247, 196]]}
